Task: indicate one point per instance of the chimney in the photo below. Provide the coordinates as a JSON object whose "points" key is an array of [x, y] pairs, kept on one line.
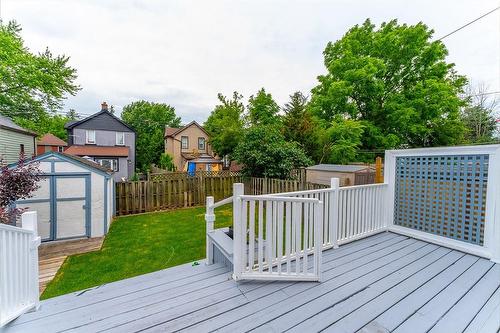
{"points": [[104, 106]]}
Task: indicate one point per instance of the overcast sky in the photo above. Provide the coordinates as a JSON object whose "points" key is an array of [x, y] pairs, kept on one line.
{"points": [[185, 52]]}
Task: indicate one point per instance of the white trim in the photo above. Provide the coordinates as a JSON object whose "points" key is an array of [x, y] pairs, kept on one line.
{"points": [[491, 246], [87, 132], [464, 150], [443, 241], [116, 138]]}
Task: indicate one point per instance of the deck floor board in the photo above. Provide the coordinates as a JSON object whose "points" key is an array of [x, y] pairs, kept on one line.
{"points": [[383, 283]]}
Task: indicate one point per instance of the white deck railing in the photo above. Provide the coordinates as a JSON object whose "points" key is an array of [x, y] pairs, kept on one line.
{"points": [[18, 268], [273, 233], [361, 211]]}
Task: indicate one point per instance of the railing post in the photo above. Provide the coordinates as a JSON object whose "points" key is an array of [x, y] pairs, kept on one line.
{"points": [[318, 238], [29, 221], [238, 228], [210, 219], [333, 211]]}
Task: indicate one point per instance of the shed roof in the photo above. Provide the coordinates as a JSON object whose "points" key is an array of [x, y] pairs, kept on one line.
{"points": [[77, 159], [51, 140], [7, 123], [339, 167], [87, 162]]}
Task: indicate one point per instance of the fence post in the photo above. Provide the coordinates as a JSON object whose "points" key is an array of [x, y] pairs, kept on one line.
{"points": [[210, 219], [379, 178], [334, 211], [29, 221], [238, 229]]}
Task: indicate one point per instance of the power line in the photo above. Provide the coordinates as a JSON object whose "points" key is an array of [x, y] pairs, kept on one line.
{"points": [[469, 23]]}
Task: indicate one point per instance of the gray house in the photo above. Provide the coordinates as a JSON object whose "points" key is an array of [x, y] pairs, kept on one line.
{"points": [[105, 139], [15, 140]]}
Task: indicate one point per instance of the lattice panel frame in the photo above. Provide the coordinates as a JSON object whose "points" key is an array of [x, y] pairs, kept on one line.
{"points": [[443, 195]]}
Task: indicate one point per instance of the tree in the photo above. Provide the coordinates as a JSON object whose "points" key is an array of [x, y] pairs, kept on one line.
{"points": [[342, 141], [396, 79], [15, 184], [72, 114], [263, 152], [31, 84], [479, 115], [300, 126], [166, 162], [44, 124], [225, 124], [149, 119], [262, 109]]}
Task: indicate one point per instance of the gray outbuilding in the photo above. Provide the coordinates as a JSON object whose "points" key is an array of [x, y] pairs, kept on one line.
{"points": [[75, 198]]}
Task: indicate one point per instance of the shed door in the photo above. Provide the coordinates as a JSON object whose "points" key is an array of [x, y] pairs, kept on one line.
{"points": [[41, 202], [71, 202]]}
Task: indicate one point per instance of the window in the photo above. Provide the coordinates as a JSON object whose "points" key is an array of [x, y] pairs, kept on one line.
{"points": [[21, 149], [120, 139], [60, 149], [90, 136], [201, 143], [110, 163], [184, 142]]}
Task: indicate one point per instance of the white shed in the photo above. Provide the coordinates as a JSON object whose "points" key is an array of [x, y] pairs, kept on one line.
{"points": [[75, 198]]}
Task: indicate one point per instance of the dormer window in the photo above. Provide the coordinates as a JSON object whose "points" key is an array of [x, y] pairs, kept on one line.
{"points": [[120, 139], [90, 137]]}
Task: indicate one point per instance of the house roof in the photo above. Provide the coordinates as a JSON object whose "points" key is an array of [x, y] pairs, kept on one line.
{"points": [[71, 124], [339, 167], [7, 123], [172, 131], [88, 150], [51, 140]]}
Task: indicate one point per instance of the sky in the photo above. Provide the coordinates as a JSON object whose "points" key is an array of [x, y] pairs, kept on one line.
{"points": [[185, 52]]}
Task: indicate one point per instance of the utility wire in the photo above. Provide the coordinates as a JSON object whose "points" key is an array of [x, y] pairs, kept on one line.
{"points": [[467, 24]]}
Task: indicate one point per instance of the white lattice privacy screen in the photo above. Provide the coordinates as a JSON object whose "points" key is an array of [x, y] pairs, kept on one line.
{"points": [[442, 195]]}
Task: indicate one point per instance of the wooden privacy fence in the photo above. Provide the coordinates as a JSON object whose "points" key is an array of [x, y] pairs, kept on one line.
{"points": [[258, 186], [176, 190], [148, 196]]}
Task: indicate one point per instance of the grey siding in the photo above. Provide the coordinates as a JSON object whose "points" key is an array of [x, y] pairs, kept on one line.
{"points": [[104, 121], [108, 138], [10, 145]]}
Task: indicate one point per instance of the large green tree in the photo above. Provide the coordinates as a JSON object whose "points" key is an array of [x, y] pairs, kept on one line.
{"points": [[262, 109], [225, 124], [396, 81], [31, 84], [300, 126], [149, 119], [264, 152], [46, 123]]}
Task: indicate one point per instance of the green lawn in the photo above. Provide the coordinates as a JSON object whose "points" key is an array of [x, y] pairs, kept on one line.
{"points": [[136, 245]]}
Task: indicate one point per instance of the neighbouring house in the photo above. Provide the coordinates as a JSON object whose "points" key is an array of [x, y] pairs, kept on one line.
{"points": [[190, 148], [348, 174], [50, 142], [105, 139], [75, 198], [14, 141]]}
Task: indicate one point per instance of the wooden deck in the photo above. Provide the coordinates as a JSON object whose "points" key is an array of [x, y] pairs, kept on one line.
{"points": [[52, 255], [383, 283]]}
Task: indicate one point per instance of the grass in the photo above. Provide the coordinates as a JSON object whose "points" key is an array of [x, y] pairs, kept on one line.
{"points": [[138, 244]]}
